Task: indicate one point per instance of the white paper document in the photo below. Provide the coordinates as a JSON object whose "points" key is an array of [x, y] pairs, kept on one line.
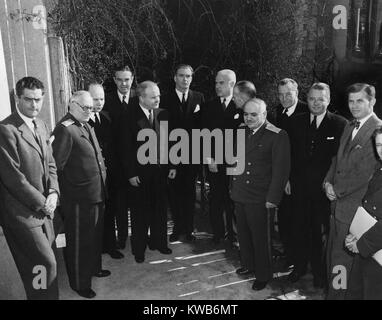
{"points": [[362, 222]]}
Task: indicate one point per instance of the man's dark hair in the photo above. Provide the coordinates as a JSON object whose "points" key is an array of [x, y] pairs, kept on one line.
{"points": [[247, 87], [358, 87], [123, 68], [183, 66], [28, 83]]}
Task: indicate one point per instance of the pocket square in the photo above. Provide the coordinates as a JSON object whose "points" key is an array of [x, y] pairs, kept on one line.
{"points": [[197, 108], [237, 116], [358, 146], [330, 138]]}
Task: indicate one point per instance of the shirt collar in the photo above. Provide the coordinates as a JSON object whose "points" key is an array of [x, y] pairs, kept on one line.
{"points": [[319, 118], [180, 94], [362, 121], [28, 121], [291, 109], [227, 100], [120, 95], [146, 111]]}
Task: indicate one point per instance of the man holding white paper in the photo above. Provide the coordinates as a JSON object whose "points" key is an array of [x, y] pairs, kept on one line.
{"points": [[346, 182], [365, 281]]}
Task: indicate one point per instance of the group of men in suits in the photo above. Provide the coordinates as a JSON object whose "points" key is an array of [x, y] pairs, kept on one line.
{"points": [[312, 165]]}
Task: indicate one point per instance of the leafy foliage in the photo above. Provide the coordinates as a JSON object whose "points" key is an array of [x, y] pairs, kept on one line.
{"points": [[262, 40]]}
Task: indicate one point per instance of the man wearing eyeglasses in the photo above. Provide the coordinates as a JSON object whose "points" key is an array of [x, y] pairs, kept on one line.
{"points": [[29, 191], [81, 175]]}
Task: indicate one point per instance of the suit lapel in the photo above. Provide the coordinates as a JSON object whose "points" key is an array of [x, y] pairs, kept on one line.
{"points": [[28, 136], [363, 134]]}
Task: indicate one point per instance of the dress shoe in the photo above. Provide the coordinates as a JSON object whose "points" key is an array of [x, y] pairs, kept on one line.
{"points": [[86, 293], [174, 237], [259, 285], [115, 254], [121, 245], [189, 238], [165, 250], [243, 271], [139, 259], [103, 274], [295, 275]]}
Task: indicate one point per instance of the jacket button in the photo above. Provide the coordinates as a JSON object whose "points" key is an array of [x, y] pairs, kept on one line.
{"points": [[365, 201], [248, 172], [374, 208], [249, 163], [247, 182]]}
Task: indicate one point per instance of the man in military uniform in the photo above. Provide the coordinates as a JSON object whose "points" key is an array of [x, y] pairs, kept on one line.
{"points": [[81, 175], [259, 189]]}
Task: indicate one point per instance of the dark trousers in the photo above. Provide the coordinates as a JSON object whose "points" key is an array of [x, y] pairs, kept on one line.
{"points": [[182, 196], [149, 211], [338, 257], [32, 248], [253, 231], [120, 205], [365, 282], [310, 229], [284, 217], [220, 202], [84, 231]]}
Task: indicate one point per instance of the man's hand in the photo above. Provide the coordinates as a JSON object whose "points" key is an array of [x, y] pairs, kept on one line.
{"points": [[212, 166], [50, 203], [288, 189], [270, 205], [135, 182], [329, 190], [172, 174], [351, 243]]}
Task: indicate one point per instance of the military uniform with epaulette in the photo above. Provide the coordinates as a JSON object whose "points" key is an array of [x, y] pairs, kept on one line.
{"points": [[81, 175], [266, 171]]}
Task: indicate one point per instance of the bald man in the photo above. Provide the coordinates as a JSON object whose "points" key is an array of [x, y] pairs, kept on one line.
{"points": [[81, 176], [221, 113], [259, 189]]}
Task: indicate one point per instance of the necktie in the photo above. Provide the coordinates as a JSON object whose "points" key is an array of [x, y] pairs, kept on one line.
{"points": [[314, 123], [151, 118], [36, 134], [97, 122], [184, 102], [123, 99], [356, 124], [223, 104]]}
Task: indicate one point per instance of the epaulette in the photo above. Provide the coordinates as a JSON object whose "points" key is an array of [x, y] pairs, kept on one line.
{"points": [[272, 128], [67, 123], [242, 125]]}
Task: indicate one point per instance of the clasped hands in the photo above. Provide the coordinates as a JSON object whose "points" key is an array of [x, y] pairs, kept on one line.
{"points": [[50, 204]]}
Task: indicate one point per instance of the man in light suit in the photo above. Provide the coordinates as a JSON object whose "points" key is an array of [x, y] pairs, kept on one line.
{"points": [[29, 190], [183, 106], [346, 182], [221, 113], [315, 137], [81, 174]]}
